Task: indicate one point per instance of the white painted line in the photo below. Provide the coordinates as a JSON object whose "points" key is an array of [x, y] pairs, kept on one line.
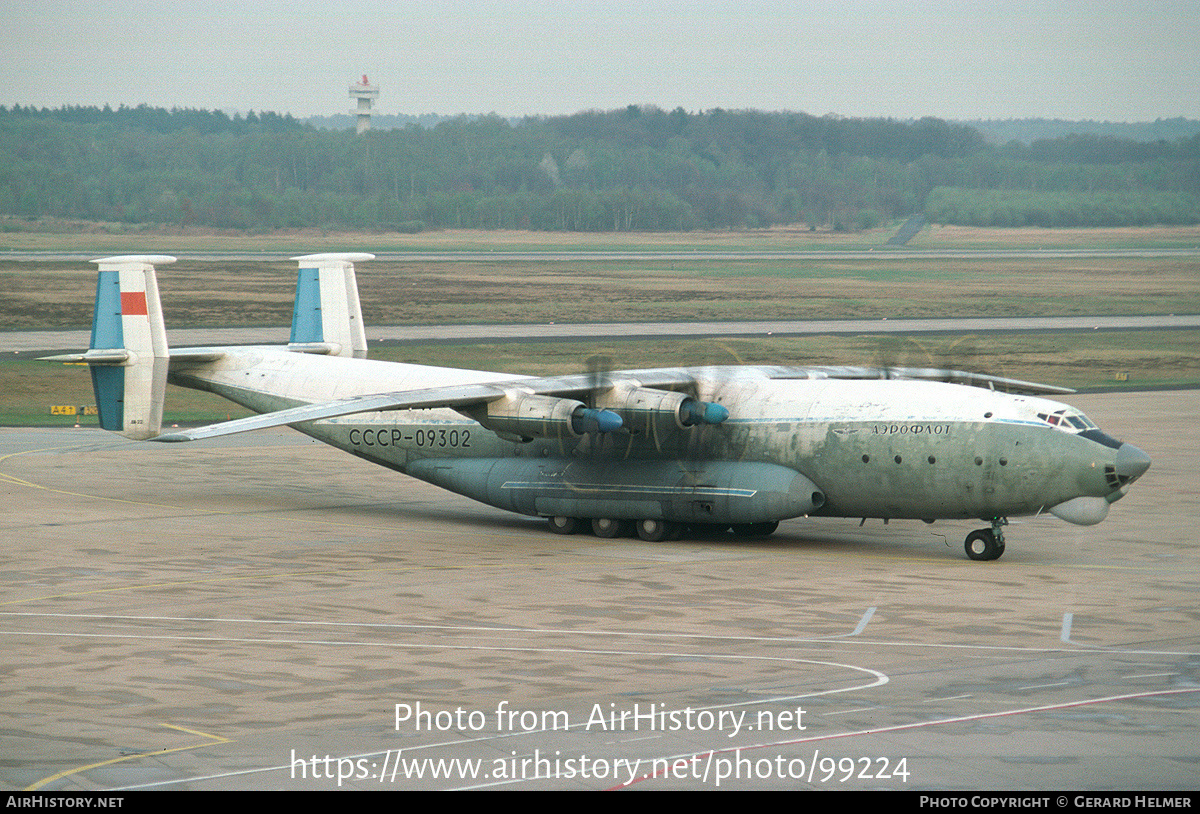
{"points": [[848, 711], [862, 624], [1078, 648], [917, 725]]}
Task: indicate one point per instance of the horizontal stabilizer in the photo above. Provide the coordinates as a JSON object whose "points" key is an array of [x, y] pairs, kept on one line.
{"points": [[118, 356], [106, 356]]}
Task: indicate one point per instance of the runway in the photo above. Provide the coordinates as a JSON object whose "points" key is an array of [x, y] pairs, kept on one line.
{"points": [[39, 341], [568, 255], [263, 612]]}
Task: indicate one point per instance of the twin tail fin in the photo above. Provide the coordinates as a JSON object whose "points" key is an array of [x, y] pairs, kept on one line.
{"points": [[129, 358], [327, 317]]}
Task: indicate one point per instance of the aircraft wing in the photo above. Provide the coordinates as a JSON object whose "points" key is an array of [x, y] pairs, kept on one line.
{"points": [[677, 378], [963, 377], [451, 396], [579, 385], [409, 400]]}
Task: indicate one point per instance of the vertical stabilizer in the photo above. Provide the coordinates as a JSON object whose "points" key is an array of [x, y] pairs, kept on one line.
{"points": [[327, 310], [130, 386]]}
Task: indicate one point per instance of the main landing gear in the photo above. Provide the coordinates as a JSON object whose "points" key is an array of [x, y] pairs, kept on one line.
{"points": [[987, 544], [653, 530], [607, 527]]}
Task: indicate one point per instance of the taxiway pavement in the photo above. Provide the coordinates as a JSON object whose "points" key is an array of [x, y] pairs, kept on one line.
{"points": [[256, 612]]}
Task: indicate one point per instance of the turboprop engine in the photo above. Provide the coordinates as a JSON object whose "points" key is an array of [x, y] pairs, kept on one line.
{"points": [[642, 408], [524, 416]]}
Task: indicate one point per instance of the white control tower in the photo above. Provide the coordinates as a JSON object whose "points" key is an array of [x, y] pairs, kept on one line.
{"points": [[366, 94]]}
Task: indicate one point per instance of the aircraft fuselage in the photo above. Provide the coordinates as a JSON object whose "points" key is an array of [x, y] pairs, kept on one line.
{"points": [[660, 450], [861, 448]]}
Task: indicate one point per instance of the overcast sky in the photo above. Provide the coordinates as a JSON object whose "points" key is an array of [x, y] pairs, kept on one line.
{"points": [[1116, 60]]}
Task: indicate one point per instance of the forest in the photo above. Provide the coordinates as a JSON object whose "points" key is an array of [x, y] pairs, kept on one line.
{"points": [[632, 169]]}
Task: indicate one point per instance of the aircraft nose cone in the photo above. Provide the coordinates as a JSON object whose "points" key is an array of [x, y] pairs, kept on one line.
{"points": [[1131, 463]]}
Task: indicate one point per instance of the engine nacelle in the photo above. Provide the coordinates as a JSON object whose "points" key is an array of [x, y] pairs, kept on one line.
{"points": [[642, 408], [525, 416]]}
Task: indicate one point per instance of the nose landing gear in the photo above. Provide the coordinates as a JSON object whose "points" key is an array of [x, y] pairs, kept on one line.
{"points": [[987, 544]]}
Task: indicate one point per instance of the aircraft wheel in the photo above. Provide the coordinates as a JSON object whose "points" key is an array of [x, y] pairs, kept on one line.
{"points": [[982, 545], [606, 527], [653, 531], [564, 525], [755, 529]]}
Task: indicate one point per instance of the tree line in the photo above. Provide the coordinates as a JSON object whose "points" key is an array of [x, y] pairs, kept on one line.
{"points": [[637, 168]]}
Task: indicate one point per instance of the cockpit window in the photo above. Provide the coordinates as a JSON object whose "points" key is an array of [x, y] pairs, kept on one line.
{"points": [[1068, 422]]}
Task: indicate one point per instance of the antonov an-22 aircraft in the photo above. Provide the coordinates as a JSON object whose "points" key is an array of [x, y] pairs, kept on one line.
{"points": [[662, 451]]}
